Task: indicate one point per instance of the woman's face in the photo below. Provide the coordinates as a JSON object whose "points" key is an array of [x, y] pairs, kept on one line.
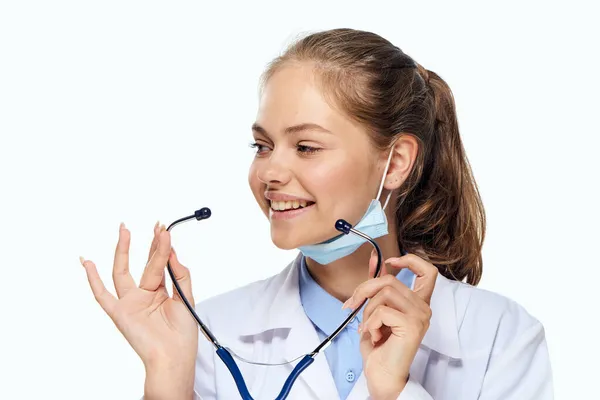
{"points": [[313, 165]]}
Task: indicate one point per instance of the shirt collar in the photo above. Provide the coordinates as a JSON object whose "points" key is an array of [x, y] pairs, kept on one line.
{"points": [[280, 306], [324, 310]]}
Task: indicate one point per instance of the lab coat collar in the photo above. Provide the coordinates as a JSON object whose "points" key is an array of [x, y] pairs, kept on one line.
{"points": [[442, 335], [280, 308], [279, 305]]}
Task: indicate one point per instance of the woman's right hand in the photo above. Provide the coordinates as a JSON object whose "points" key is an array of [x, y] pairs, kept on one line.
{"points": [[159, 328]]}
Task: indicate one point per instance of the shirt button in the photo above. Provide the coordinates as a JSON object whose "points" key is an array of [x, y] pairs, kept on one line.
{"points": [[350, 376]]}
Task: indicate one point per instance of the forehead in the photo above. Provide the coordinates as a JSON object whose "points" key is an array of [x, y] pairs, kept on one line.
{"points": [[292, 96]]}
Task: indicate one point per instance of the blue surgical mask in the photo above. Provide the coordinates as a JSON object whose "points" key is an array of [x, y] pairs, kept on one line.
{"points": [[373, 223]]}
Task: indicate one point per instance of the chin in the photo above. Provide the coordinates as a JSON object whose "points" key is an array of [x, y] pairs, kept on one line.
{"points": [[289, 239], [284, 242]]}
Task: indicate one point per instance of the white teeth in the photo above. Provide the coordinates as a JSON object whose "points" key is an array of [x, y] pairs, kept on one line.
{"points": [[287, 205]]}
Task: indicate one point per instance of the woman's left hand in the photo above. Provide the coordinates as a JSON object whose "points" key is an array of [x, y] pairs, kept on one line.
{"points": [[394, 323]]}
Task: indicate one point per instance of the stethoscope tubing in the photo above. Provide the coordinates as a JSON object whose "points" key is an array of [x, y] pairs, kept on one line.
{"points": [[308, 359]]}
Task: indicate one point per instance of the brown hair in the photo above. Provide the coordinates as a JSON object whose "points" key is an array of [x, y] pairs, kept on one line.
{"points": [[439, 212]]}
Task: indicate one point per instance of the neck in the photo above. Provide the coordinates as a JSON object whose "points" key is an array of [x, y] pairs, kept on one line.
{"points": [[340, 278]]}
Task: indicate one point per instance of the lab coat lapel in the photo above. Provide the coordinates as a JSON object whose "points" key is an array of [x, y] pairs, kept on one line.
{"points": [[442, 335], [280, 308], [317, 377]]}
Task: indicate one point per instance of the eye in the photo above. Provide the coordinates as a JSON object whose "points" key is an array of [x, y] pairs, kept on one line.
{"points": [[260, 148], [306, 149]]}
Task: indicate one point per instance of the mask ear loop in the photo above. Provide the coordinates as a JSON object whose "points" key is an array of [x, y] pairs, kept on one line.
{"points": [[387, 166]]}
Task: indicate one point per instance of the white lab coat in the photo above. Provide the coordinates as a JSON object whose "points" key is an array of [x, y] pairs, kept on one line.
{"points": [[479, 346]]}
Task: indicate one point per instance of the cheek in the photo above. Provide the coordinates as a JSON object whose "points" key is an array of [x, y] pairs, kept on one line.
{"points": [[321, 180], [342, 191], [329, 182]]}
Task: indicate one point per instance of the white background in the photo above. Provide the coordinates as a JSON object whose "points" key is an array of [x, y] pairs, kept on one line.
{"points": [[139, 111]]}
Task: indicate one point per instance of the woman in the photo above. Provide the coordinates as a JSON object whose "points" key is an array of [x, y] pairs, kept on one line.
{"points": [[348, 127]]}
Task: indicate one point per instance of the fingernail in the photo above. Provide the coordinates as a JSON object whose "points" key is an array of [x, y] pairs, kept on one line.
{"points": [[163, 227], [122, 226], [348, 303], [81, 260]]}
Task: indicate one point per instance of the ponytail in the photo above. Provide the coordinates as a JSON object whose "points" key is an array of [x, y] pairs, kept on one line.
{"points": [[442, 216]]}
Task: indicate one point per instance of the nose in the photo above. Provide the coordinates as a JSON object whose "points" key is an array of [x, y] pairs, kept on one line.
{"points": [[273, 171]]}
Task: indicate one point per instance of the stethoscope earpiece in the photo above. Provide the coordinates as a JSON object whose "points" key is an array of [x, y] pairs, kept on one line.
{"points": [[343, 226], [202, 213]]}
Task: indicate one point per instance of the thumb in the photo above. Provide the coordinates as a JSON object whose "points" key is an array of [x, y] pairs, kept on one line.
{"points": [[183, 277]]}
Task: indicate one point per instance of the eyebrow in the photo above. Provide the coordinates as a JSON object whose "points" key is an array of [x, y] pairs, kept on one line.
{"points": [[292, 129]]}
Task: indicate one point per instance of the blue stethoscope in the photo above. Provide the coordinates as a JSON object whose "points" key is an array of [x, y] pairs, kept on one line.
{"points": [[224, 353]]}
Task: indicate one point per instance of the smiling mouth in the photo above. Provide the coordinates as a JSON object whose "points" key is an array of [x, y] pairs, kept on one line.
{"points": [[283, 206]]}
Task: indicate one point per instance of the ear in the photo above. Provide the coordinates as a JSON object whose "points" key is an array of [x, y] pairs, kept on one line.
{"points": [[404, 154]]}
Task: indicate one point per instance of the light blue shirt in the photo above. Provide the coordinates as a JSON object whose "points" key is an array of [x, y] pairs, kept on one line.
{"points": [[326, 314]]}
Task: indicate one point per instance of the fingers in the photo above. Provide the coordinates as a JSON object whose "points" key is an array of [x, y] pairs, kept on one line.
{"points": [[426, 273], [154, 245], [370, 288], [373, 265], [391, 297], [183, 277], [122, 278], [106, 300], [399, 324], [154, 271], [382, 317]]}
